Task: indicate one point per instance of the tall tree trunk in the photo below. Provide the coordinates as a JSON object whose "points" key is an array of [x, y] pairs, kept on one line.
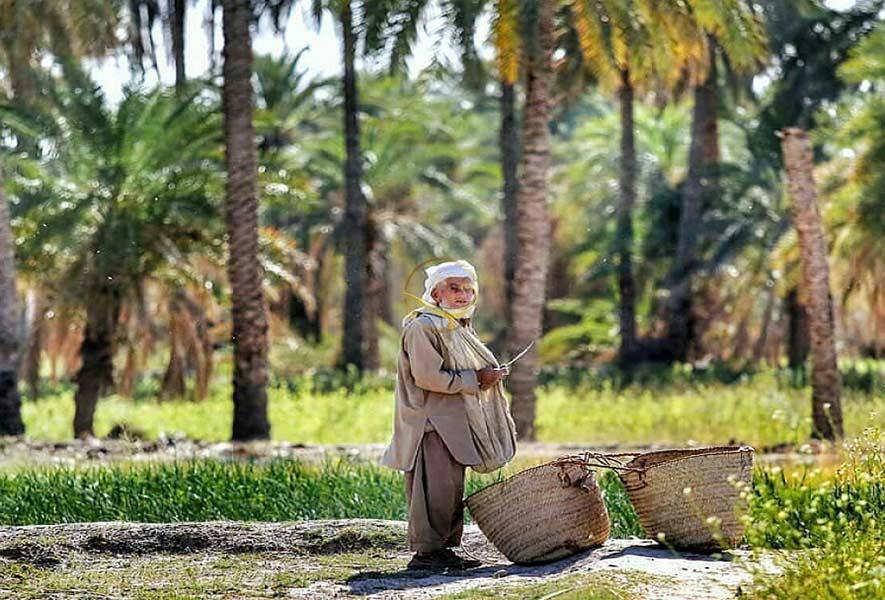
{"points": [[317, 285], [10, 400], [624, 234], [173, 385], [533, 226], [826, 404], [209, 29], [30, 368], [177, 15], [798, 343], [126, 385], [355, 206], [703, 152], [201, 358], [762, 340], [374, 294], [96, 374], [241, 212], [19, 70], [509, 148]]}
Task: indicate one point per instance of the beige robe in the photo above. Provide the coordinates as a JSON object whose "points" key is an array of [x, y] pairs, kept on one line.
{"points": [[426, 392]]}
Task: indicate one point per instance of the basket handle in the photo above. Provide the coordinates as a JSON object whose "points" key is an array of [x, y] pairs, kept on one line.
{"points": [[600, 460]]}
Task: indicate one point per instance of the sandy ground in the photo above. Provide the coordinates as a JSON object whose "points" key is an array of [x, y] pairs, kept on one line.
{"points": [[319, 559], [655, 572]]}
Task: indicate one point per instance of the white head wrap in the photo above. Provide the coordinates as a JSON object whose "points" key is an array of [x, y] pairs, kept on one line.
{"points": [[439, 273]]}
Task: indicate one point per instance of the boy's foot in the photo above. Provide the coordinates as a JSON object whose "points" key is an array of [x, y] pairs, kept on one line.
{"points": [[442, 559]]}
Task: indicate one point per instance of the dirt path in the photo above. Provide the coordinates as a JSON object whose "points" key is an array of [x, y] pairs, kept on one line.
{"points": [[18, 453], [324, 559], [640, 567]]}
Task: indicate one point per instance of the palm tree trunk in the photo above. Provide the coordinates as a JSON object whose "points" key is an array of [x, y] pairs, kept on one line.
{"points": [[34, 339], [355, 210], [509, 148], [209, 29], [624, 234], [10, 400], [373, 296], [126, 385], [177, 15], [173, 385], [241, 212], [96, 374], [203, 351], [762, 340], [703, 152], [826, 404], [533, 226], [798, 344]]}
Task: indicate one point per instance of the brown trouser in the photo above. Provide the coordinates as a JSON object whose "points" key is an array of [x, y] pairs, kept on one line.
{"points": [[434, 492]]}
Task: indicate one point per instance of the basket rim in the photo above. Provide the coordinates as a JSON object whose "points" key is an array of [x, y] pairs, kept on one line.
{"points": [[515, 475], [694, 453]]}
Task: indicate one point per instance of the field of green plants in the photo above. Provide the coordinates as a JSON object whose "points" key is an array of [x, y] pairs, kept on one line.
{"points": [[763, 410]]}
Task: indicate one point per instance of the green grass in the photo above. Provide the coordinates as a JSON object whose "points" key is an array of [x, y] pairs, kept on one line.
{"points": [[211, 490], [836, 528], [852, 569], [334, 417], [806, 509], [760, 411]]}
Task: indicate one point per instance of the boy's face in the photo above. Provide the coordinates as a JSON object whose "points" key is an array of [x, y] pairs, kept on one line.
{"points": [[454, 292]]}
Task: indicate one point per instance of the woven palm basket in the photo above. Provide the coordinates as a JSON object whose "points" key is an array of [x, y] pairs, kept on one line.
{"points": [[543, 513], [692, 497]]}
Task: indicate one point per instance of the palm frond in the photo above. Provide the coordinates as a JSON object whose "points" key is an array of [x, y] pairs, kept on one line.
{"points": [[506, 39]]}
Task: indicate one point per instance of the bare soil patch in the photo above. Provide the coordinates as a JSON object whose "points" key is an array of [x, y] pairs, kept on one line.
{"points": [[22, 453], [324, 559]]}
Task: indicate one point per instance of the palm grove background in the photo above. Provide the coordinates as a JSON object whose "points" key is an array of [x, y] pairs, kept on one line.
{"points": [[616, 171]]}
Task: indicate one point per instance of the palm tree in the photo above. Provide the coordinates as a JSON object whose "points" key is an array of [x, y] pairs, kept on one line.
{"points": [[382, 26], [860, 205], [825, 403], [533, 222], [622, 54], [354, 203], [127, 191], [10, 401], [462, 16], [356, 264], [708, 29], [287, 111], [420, 148], [241, 215], [30, 27], [506, 41], [65, 28]]}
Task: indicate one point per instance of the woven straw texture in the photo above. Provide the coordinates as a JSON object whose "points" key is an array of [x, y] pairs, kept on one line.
{"points": [[542, 514], [691, 496]]}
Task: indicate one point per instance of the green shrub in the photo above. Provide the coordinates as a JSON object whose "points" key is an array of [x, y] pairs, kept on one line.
{"points": [[834, 527]]}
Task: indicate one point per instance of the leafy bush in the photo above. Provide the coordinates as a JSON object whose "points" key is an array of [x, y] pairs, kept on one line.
{"points": [[835, 527]]}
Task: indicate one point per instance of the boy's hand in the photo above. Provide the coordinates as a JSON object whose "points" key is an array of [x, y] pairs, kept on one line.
{"points": [[490, 376]]}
